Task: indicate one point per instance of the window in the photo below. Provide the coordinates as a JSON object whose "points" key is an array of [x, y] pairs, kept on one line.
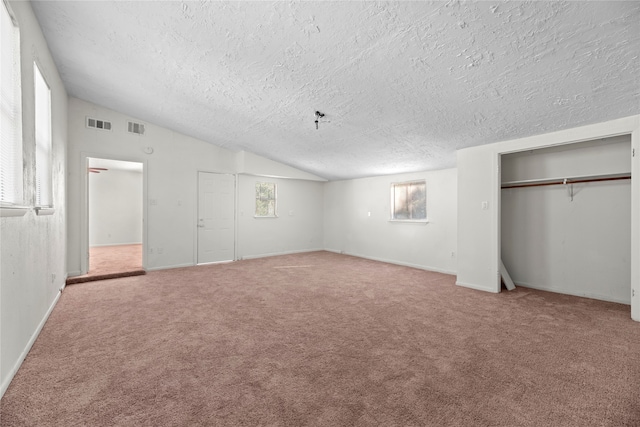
{"points": [[266, 199], [409, 201], [43, 138], [11, 191]]}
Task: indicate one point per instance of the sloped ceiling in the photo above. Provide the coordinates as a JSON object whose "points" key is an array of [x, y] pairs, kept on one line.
{"points": [[403, 85]]}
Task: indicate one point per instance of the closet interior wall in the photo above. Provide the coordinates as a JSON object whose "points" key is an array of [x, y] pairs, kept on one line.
{"points": [[569, 238]]}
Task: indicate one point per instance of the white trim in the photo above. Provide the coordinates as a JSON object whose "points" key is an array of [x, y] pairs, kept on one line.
{"points": [[278, 254], [23, 355], [390, 261], [635, 221], [410, 221], [169, 267], [228, 261], [496, 221], [43, 210], [84, 205], [476, 287], [624, 126], [7, 211], [576, 294], [236, 216], [261, 175], [336, 251], [114, 244]]}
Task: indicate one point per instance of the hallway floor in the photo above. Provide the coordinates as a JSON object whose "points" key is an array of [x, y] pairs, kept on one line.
{"points": [[110, 262]]}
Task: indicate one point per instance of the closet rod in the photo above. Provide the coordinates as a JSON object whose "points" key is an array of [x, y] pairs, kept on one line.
{"points": [[566, 181]]}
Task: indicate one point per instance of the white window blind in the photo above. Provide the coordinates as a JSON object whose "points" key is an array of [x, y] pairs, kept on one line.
{"points": [[11, 191], [43, 138]]}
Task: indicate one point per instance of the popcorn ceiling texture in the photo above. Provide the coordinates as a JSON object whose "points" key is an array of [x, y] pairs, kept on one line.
{"points": [[403, 84]]}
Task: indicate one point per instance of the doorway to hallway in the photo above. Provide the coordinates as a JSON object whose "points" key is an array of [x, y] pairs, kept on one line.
{"points": [[115, 219]]}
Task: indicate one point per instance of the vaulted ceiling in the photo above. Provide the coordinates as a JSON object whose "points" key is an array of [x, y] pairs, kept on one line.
{"points": [[403, 85]]}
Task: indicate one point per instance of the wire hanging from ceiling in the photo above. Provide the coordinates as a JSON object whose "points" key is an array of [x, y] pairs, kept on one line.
{"points": [[319, 115]]}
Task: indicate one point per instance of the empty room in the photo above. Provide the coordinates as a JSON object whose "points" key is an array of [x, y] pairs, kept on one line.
{"points": [[310, 213]]}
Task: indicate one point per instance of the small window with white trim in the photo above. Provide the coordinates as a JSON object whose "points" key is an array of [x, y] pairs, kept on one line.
{"points": [[11, 169], [266, 200], [409, 201], [43, 139]]}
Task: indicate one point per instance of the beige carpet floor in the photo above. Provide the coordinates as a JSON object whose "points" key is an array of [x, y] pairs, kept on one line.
{"points": [[111, 262], [322, 339]]}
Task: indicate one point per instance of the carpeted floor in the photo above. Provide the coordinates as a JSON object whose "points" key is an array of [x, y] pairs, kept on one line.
{"points": [[111, 262], [322, 339]]}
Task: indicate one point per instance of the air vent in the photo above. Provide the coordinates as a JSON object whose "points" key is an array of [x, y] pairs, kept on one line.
{"points": [[98, 124], [134, 127]]}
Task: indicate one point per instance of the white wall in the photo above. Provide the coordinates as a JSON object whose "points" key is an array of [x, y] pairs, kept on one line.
{"points": [[597, 157], [115, 207], [33, 247], [580, 246], [250, 163], [350, 229], [298, 226], [170, 181], [170, 174], [477, 228], [479, 180]]}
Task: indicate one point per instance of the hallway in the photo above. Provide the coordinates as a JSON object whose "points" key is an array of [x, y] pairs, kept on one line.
{"points": [[110, 262]]}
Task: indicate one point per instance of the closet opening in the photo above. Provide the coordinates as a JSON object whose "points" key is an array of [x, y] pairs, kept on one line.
{"points": [[565, 218]]}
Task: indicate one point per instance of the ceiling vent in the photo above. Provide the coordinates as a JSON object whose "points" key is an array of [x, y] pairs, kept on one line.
{"points": [[98, 124], [137, 128]]}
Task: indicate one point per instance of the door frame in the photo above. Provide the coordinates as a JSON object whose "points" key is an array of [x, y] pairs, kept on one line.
{"points": [[625, 126], [568, 144], [196, 216], [84, 205]]}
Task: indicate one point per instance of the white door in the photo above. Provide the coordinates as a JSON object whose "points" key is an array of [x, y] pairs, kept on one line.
{"points": [[216, 212]]}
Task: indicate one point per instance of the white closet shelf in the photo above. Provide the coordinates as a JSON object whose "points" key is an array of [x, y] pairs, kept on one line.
{"points": [[566, 180]]}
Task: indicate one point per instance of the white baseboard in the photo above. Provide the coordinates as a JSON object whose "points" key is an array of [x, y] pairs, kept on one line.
{"points": [[114, 244], [168, 267], [278, 253], [591, 295], [391, 261], [5, 384], [216, 262], [476, 287], [73, 274], [337, 251]]}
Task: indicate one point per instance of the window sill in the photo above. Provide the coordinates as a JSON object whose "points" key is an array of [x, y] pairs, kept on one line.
{"points": [[410, 221], [265, 217], [6, 211], [41, 211]]}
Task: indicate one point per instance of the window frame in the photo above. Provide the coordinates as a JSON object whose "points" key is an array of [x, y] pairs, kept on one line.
{"points": [[257, 199], [392, 197], [43, 140], [12, 202]]}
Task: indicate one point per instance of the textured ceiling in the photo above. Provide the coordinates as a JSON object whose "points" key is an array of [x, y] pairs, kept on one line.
{"points": [[403, 84]]}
